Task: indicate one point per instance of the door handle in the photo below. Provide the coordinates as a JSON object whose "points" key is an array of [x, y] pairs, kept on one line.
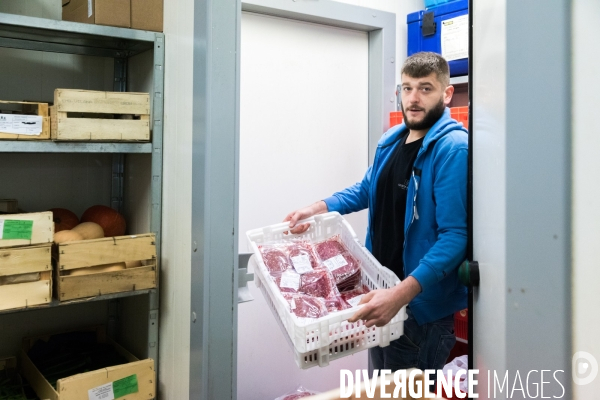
{"points": [[468, 273]]}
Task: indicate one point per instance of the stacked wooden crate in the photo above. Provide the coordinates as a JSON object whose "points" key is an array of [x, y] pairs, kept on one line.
{"points": [[26, 267]]}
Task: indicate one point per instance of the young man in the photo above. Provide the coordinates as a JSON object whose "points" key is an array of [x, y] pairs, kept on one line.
{"points": [[416, 192]]}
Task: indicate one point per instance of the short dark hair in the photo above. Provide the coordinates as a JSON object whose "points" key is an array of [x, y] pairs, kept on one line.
{"points": [[424, 63]]}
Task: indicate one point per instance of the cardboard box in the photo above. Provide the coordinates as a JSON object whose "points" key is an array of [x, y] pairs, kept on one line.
{"points": [[147, 15], [99, 12]]}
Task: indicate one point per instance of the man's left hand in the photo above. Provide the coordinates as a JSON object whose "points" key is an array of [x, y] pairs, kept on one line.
{"points": [[381, 305]]}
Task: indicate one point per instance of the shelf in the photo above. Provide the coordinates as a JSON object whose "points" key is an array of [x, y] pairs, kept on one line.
{"points": [[22, 146], [31, 33], [460, 80], [56, 303]]}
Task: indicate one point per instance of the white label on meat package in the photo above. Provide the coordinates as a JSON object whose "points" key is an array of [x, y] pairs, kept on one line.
{"points": [[355, 300], [293, 304], [335, 262], [290, 280], [104, 392], [455, 38], [302, 264], [21, 124]]}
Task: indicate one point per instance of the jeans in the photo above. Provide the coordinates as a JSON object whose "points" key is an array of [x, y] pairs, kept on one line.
{"points": [[424, 347]]}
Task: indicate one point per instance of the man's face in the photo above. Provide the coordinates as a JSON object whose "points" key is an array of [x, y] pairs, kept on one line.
{"points": [[423, 101]]}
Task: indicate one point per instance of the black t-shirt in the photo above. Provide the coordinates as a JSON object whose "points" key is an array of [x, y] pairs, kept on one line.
{"points": [[390, 206]]}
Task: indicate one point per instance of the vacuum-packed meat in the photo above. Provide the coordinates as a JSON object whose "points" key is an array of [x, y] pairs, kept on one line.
{"points": [[275, 258], [306, 306]]}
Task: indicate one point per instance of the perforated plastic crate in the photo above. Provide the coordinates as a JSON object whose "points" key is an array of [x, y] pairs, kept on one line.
{"points": [[321, 340]]}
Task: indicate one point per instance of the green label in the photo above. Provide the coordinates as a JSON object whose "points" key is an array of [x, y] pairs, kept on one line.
{"points": [[17, 229], [125, 386]]}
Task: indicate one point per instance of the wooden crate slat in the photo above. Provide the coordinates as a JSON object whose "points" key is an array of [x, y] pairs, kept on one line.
{"points": [[76, 287], [70, 100], [101, 129], [43, 229], [22, 260], [28, 294], [89, 253], [76, 387], [42, 110]]}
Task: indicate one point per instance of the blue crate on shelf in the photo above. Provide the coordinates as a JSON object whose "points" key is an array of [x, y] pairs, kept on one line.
{"points": [[441, 28]]}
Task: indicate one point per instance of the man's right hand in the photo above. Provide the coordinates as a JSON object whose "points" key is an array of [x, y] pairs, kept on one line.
{"points": [[317, 208]]}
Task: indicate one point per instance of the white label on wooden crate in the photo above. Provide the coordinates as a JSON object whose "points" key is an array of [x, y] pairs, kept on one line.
{"points": [[302, 264], [104, 392], [89, 8], [335, 262], [21, 124], [355, 300], [1, 228], [455, 38], [290, 280]]}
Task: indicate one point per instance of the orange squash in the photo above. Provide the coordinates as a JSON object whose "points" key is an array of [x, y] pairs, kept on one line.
{"points": [[89, 230]]}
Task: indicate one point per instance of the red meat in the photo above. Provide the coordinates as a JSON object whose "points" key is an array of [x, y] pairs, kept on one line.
{"points": [[348, 276], [306, 306], [302, 249], [319, 283], [350, 294], [336, 303], [330, 248], [275, 259]]}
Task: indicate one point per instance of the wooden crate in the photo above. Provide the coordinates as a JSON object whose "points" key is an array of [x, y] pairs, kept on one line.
{"points": [[84, 254], [31, 267], [38, 229], [76, 387], [9, 206], [86, 115], [29, 108]]}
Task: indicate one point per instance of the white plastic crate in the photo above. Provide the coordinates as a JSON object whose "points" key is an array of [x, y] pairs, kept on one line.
{"points": [[321, 340]]}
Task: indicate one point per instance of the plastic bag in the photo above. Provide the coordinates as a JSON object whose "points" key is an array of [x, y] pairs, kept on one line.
{"points": [[458, 364], [275, 258], [302, 255], [299, 393], [330, 248], [353, 297], [319, 283], [304, 306]]}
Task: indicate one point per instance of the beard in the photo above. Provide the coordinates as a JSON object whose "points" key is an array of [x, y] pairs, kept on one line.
{"points": [[431, 117]]}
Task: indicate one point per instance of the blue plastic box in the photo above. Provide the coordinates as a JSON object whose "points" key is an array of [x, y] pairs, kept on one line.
{"points": [[448, 23]]}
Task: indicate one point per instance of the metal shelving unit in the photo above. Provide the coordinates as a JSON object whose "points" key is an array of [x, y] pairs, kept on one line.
{"points": [[38, 34]]}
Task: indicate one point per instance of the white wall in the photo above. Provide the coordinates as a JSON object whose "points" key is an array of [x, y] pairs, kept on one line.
{"points": [[303, 135], [402, 8], [586, 190], [51, 9], [174, 358]]}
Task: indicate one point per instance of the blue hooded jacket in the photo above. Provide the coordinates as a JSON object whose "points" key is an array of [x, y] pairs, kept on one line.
{"points": [[435, 226]]}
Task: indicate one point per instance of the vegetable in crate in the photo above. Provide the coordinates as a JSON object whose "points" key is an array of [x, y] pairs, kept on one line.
{"points": [[72, 353], [110, 220], [63, 219], [11, 385], [89, 230]]}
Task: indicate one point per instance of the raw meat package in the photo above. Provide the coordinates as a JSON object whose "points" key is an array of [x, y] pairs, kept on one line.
{"points": [[302, 256], [343, 265], [352, 297], [299, 393], [305, 306], [275, 258], [319, 283]]}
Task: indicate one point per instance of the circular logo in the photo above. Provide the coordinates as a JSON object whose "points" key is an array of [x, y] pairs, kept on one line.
{"points": [[584, 368]]}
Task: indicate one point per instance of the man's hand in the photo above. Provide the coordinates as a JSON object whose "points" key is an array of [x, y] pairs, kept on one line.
{"points": [[317, 208], [381, 305]]}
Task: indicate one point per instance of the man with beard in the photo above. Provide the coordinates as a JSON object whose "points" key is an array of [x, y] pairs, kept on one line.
{"points": [[416, 192]]}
